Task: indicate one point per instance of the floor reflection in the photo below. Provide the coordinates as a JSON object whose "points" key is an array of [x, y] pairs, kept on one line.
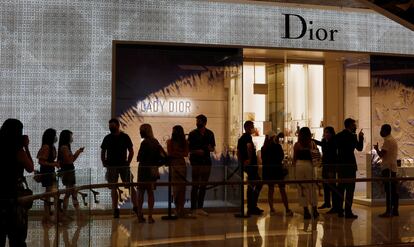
{"points": [[223, 229]]}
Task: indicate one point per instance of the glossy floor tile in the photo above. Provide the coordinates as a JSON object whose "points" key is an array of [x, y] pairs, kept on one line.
{"points": [[223, 229]]}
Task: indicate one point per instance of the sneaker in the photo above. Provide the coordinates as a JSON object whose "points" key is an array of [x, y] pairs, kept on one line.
{"points": [[385, 215], [202, 212], [289, 213], [332, 211], [323, 206], [259, 209], [254, 211], [351, 216], [116, 213]]}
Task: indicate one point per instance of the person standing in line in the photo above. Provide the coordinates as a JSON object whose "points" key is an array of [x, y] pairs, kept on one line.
{"points": [[47, 160], [347, 142], [302, 160], [201, 142], [114, 149], [16, 157], [329, 163], [389, 154], [272, 157], [246, 152], [149, 155], [66, 159], [177, 148]]}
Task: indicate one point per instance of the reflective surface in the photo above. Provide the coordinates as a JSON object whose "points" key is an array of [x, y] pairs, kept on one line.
{"points": [[223, 229]]}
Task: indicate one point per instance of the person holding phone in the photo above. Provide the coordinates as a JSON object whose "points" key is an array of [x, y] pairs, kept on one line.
{"points": [[67, 169], [347, 141]]}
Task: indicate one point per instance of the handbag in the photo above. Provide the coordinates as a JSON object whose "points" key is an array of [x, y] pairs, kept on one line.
{"points": [[22, 191], [162, 158], [316, 156], [37, 176]]}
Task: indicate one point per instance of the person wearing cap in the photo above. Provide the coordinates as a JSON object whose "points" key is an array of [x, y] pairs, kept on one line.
{"points": [[201, 142], [272, 157]]}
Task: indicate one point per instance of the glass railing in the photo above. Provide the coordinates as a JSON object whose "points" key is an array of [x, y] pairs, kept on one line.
{"points": [[231, 222]]}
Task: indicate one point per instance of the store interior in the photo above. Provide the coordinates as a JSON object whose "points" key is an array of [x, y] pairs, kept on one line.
{"points": [[284, 90]]}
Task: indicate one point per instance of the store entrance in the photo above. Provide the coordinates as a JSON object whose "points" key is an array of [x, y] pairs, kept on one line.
{"points": [[285, 90]]}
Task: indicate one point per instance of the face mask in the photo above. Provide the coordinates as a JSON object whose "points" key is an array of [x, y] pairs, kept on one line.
{"points": [[199, 125], [112, 129]]}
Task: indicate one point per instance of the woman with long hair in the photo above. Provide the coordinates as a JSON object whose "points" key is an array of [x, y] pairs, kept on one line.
{"points": [[66, 159], [177, 148], [272, 156], [148, 158], [302, 160], [15, 158], [47, 161]]}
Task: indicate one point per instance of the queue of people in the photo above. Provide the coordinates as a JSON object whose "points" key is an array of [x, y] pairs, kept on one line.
{"points": [[338, 161]]}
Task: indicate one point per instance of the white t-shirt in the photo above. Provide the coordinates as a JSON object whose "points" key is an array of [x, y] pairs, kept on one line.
{"points": [[389, 160]]}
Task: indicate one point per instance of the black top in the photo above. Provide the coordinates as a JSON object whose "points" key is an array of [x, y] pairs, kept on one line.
{"points": [[196, 140], [329, 151], [149, 152], [272, 155], [303, 154], [116, 147], [242, 149], [347, 143], [10, 172]]}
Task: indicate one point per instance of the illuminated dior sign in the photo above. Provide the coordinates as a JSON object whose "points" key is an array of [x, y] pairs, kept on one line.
{"points": [[165, 106], [311, 32]]}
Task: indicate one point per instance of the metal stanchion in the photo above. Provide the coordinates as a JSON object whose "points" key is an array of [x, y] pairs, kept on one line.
{"points": [[241, 214], [169, 216]]}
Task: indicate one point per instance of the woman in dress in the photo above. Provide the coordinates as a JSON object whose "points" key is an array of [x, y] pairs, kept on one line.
{"points": [[177, 148], [272, 157], [148, 157]]}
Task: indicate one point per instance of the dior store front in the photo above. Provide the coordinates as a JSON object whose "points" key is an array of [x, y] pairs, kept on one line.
{"points": [[76, 64]]}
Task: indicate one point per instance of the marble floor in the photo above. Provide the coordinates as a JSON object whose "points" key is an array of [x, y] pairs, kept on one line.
{"points": [[223, 229]]}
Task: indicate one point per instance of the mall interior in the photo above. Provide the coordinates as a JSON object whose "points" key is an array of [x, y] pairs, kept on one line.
{"points": [[282, 64]]}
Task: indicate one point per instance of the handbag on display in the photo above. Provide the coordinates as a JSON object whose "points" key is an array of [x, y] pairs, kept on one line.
{"points": [[316, 156]]}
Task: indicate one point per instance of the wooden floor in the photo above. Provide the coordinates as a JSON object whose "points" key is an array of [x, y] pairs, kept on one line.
{"points": [[223, 229]]}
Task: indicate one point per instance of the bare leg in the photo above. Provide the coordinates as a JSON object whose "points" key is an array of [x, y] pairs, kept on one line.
{"points": [[140, 201], [150, 204], [284, 198]]}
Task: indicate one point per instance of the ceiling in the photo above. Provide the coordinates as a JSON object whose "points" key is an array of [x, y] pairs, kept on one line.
{"points": [[332, 3]]}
